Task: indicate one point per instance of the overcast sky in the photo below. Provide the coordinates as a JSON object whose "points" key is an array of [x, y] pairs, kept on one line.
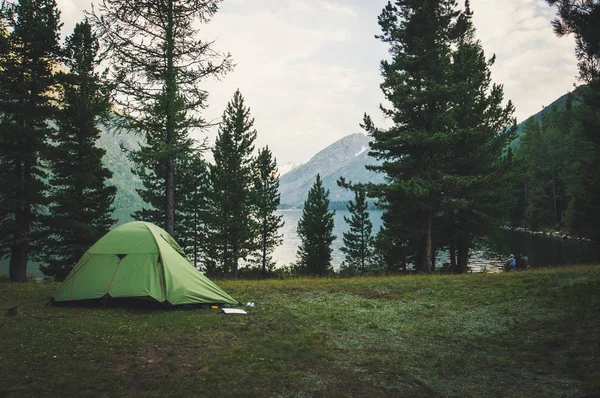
{"points": [[309, 69]]}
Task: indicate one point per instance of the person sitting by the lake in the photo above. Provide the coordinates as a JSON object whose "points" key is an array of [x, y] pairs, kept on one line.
{"points": [[512, 263], [523, 261]]}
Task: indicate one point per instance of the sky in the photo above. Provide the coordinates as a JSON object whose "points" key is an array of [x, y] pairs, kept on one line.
{"points": [[309, 69]]}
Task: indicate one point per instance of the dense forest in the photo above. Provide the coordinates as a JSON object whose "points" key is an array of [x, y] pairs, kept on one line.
{"points": [[551, 166], [455, 165]]}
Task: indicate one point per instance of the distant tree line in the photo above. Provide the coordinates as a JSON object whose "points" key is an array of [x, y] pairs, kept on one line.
{"points": [[550, 171], [557, 162]]}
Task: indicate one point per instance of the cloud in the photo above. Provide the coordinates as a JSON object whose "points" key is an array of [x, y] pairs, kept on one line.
{"points": [[301, 99], [534, 65], [309, 68], [340, 8], [71, 12]]}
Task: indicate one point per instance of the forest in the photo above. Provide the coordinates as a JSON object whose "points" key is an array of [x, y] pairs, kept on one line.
{"points": [[455, 165], [554, 169]]}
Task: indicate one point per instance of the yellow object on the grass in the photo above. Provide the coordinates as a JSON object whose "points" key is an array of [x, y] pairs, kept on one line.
{"points": [[214, 307]]}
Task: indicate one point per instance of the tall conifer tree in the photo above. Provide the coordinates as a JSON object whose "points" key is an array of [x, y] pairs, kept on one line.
{"points": [[480, 128], [193, 212], [315, 229], [420, 34], [358, 241], [80, 200], [158, 62], [443, 155], [266, 198], [532, 153], [30, 50], [231, 176]]}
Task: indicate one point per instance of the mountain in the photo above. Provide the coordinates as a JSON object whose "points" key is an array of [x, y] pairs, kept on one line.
{"points": [[346, 157], [287, 167], [560, 103]]}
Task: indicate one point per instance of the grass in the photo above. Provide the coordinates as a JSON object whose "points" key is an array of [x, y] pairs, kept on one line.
{"points": [[523, 334]]}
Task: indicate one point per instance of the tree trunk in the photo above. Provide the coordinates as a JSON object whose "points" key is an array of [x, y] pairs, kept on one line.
{"points": [[225, 259], [20, 248], [170, 197], [426, 259], [453, 267], [554, 200], [264, 255], [235, 259], [463, 253], [171, 89], [18, 262], [403, 259], [363, 248]]}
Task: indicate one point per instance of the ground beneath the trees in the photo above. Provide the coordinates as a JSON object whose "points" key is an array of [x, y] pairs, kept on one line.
{"points": [[519, 334]]}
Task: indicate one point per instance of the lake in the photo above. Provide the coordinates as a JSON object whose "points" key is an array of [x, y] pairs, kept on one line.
{"points": [[490, 254]]}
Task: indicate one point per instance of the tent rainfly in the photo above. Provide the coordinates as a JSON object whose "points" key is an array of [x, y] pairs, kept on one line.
{"points": [[139, 260]]}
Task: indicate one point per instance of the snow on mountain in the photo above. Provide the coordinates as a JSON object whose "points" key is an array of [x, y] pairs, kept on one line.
{"points": [[362, 150], [346, 158], [287, 167]]}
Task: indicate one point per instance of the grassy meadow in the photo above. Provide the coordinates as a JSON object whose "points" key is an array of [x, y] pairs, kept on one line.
{"points": [[521, 334]]}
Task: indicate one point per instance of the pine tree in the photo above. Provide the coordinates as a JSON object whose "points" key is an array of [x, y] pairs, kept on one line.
{"points": [[158, 62], [420, 34], [151, 166], [80, 201], [391, 250], [473, 175], [315, 230], [358, 240], [545, 152], [266, 198], [231, 176], [29, 50], [193, 211]]}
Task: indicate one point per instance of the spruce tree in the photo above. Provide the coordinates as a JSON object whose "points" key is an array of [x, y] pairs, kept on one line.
{"points": [[231, 175], [533, 153], [158, 62], [151, 166], [193, 212], [443, 156], [315, 230], [266, 199], [480, 127], [358, 240], [420, 34], [80, 201], [29, 50]]}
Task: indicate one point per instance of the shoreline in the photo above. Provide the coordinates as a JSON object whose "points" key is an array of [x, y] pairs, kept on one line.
{"points": [[553, 234]]}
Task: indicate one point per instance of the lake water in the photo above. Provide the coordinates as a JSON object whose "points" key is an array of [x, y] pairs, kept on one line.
{"points": [[490, 254]]}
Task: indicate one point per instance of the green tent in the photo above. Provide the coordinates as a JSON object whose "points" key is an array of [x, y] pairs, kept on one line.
{"points": [[139, 260]]}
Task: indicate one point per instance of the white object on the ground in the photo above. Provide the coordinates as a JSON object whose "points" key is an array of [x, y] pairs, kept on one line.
{"points": [[250, 304], [234, 311]]}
